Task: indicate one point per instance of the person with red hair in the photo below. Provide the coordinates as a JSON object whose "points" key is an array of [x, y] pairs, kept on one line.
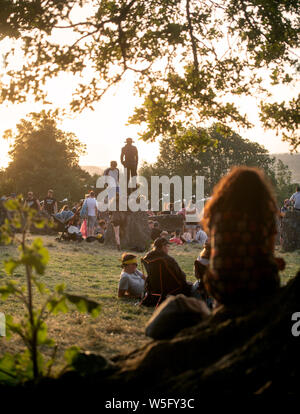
{"points": [[240, 219]]}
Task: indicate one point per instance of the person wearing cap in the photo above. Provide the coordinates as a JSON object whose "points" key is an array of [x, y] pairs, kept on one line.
{"points": [[132, 281], [129, 158], [161, 250]]}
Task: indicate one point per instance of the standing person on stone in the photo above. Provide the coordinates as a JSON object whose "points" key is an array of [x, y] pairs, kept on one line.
{"points": [[114, 173], [91, 204], [129, 159], [50, 204]]}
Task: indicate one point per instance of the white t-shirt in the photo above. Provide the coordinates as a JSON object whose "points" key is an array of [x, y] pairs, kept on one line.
{"points": [[201, 237], [91, 206], [133, 283], [296, 197]]}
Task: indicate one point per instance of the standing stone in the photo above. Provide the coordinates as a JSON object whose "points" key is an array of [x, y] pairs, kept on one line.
{"points": [[134, 232], [169, 222], [290, 231]]}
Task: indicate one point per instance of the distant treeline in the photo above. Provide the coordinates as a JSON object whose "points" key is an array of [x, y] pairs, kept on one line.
{"points": [[293, 162]]}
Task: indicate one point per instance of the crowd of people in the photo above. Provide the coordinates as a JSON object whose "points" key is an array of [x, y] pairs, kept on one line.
{"points": [[236, 237], [237, 265]]}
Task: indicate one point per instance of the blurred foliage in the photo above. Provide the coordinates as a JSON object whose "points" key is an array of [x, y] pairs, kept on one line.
{"points": [[190, 58], [34, 362]]}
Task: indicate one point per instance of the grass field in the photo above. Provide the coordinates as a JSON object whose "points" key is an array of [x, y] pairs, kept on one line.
{"points": [[93, 271]]}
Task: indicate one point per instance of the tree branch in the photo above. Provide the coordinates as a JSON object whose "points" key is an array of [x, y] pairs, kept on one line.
{"points": [[193, 40]]}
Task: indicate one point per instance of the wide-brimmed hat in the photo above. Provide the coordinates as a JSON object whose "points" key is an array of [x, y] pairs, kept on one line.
{"points": [[129, 140]]}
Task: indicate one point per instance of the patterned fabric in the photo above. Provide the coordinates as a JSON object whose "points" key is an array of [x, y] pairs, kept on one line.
{"points": [[242, 265]]}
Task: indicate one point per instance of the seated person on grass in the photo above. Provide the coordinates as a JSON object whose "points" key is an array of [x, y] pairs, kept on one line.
{"points": [[186, 237], [176, 238], [100, 230], [174, 279], [132, 281]]}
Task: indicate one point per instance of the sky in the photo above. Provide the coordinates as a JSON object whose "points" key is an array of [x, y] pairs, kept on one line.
{"points": [[104, 130]]}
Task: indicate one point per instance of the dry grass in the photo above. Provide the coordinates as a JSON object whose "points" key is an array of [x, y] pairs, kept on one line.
{"points": [[92, 270]]}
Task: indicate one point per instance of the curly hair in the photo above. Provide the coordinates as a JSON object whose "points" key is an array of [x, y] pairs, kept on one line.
{"points": [[245, 190]]}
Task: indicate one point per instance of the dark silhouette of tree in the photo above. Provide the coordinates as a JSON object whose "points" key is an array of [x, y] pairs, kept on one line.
{"points": [[43, 157]]}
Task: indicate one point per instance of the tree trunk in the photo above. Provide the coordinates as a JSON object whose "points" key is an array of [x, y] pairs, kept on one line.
{"points": [[240, 351]]}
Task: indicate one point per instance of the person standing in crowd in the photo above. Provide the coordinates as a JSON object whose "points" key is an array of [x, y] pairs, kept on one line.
{"points": [[91, 205], [32, 202], [50, 204], [129, 158], [114, 173], [295, 199], [190, 224], [182, 211], [132, 281]]}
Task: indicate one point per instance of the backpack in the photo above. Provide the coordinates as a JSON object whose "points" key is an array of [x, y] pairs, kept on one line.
{"points": [[83, 211]]}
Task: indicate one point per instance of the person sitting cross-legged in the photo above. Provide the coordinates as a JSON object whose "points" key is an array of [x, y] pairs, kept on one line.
{"points": [[176, 238], [132, 281]]}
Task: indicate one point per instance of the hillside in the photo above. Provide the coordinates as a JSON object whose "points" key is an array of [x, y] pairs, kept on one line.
{"points": [[293, 162], [93, 169]]}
